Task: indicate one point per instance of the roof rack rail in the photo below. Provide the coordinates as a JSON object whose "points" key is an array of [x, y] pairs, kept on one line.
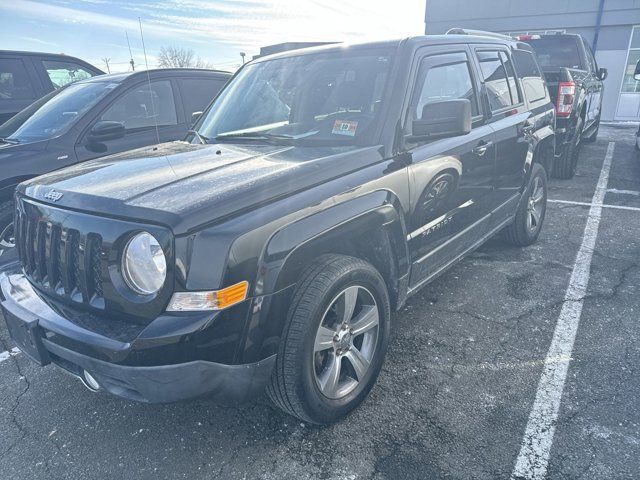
{"points": [[479, 33]]}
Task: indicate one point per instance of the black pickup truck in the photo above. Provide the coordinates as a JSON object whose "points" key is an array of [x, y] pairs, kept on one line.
{"points": [[575, 84], [320, 190]]}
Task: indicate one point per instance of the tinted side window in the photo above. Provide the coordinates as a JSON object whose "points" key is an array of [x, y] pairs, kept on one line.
{"points": [[511, 78], [61, 72], [530, 75], [144, 106], [197, 93], [14, 80], [590, 58], [444, 77], [496, 81]]}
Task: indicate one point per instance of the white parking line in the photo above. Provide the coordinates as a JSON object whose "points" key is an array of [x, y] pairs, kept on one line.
{"points": [[585, 204], [7, 355], [533, 458], [623, 192]]}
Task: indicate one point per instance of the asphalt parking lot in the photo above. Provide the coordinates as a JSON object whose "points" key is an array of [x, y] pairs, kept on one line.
{"points": [[455, 396]]}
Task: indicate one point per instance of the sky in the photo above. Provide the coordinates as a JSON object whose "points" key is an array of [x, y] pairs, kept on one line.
{"points": [[216, 30]]}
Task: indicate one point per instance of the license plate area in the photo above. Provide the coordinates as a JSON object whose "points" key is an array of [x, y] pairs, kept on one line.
{"points": [[28, 337]]}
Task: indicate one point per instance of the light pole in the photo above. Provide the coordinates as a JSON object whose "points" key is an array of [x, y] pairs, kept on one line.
{"points": [[242, 54]]}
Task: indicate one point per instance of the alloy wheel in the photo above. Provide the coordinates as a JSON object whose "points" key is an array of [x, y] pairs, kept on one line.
{"points": [[535, 205], [345, 342], [7, 237]]}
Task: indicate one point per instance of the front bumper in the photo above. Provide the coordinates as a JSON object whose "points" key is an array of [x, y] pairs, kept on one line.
{"points": [[46, 337]]}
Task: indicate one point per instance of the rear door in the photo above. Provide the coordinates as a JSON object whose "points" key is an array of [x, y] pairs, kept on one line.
{"points": [[513, 125], [451, 178], [141, 108]]}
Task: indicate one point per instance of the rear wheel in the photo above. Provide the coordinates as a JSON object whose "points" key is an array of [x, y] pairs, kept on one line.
{"points": [[334, 341], [7, 237], [529, 218], [565, 166]]}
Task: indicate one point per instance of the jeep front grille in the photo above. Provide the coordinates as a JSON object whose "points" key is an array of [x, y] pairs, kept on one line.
{"points": [[63, 261]]}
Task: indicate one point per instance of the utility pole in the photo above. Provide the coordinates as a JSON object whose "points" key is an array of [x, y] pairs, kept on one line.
{"points": [[106, 62], [242, 54], [133, 67]]}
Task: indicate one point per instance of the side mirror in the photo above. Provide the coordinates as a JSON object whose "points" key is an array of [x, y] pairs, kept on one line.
{"points": [[106, 130], [195, 116], [448, 118], [602, 73], [636, 73]]}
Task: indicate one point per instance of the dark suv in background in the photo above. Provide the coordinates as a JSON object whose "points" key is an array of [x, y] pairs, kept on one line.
{"points": [[320, 190], [27, 76], [575, 83], [96, 117]]}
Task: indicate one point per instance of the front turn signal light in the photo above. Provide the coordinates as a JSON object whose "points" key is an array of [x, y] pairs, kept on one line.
{"points": [[209, 300]]}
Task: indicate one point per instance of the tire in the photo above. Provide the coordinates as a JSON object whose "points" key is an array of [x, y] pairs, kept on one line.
{"points": [[522, 232], [6, 225], [565, 167], [594, 136], [305, 358]]}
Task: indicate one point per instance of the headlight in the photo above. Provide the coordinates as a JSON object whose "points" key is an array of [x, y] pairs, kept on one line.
{"points": [[144, 266]]}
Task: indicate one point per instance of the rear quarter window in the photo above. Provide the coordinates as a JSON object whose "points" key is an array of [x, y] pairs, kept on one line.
{"points": [[530, 75], [197, 93]]}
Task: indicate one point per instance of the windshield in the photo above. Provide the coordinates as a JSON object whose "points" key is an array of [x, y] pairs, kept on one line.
{"points": [[328, 98], [61, 111], [557, 51]]}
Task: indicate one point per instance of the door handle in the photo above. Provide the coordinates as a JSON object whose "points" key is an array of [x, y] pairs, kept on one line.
{"points": [[482, 148]]}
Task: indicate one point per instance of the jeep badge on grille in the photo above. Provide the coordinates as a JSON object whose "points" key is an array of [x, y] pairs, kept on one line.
{"points": [[53, 195]]}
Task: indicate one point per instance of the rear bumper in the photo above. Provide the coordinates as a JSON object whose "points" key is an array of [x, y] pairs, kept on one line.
{"points": [[47, 337]]}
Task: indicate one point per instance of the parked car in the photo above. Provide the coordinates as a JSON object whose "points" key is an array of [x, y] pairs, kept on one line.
{"points": [[27, 76], [320, 190], [575, 84], [96, 117]]}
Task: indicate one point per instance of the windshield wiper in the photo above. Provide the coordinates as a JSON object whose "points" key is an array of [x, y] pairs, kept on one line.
{"points": [[10, 141], [201, 138], [262, 136]]}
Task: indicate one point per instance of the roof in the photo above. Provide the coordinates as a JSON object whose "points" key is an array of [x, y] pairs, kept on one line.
{"points": [[414, 41], [157, 73]]}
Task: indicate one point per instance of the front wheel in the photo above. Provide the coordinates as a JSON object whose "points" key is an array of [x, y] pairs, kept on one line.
{"points": [[334, 341], [529, 218], [7, 237]]}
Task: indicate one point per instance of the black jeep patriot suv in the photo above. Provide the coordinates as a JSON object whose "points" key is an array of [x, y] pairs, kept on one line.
{"points": [[319, 191]]}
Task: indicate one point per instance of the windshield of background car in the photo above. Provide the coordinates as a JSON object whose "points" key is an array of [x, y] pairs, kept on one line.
{"points": [[557, 52], [61, 111], [331, 98]]}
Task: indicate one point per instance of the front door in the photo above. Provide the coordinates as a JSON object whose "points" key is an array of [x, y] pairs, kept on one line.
{"points": [[451, 178], [148, 112]]}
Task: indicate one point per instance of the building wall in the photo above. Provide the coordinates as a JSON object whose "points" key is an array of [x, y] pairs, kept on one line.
{"points": [[573, 16]]}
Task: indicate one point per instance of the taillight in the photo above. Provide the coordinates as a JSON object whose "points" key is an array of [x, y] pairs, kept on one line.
{"points": [[566, 94], [524, 38]]}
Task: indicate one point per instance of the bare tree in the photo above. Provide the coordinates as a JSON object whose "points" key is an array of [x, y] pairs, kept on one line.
{"points": [[175, 57]]}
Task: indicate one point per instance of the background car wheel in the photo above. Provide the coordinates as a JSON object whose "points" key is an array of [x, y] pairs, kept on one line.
{"points": [[565, 167], [334, 341], [7, 238], [594, 136], [529, 218]]}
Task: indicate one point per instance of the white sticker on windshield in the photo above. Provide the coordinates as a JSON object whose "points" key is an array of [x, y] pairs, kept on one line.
{"points": [[345, 127]]}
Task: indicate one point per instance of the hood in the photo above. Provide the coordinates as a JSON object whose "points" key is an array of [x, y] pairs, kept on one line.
{"points": [[183, 185]]}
